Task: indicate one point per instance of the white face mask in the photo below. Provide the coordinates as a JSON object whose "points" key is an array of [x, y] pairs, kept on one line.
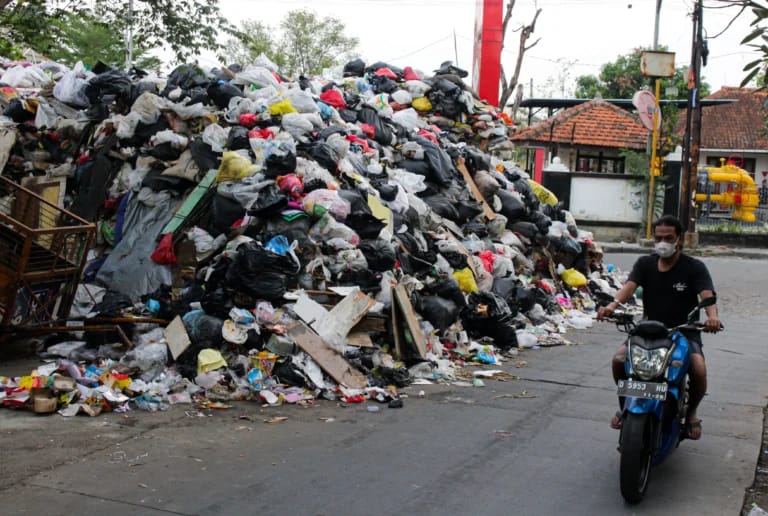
{"points": [[664, 249]]}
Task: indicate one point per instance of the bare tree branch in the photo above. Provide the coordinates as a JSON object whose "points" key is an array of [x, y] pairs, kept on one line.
{"points": [[509, 86]]}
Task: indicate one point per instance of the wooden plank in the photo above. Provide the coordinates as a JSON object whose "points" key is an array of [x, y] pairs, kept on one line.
{"points": [[396, 328], [359, 339], [404, 303], [177, 338], [329, 360], [370, 324], [489, 213]]}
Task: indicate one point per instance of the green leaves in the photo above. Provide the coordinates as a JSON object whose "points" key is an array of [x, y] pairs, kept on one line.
{"points": [[306, 43], [621, 78]]}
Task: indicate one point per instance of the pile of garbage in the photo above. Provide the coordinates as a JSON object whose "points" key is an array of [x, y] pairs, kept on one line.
{"points": [[282, 240]]}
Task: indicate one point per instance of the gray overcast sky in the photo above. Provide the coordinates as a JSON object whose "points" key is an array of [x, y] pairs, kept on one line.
{"points": [[577, 36]]}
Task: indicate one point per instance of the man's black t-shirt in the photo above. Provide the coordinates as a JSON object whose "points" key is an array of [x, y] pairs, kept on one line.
{"points": [[670, 296]]}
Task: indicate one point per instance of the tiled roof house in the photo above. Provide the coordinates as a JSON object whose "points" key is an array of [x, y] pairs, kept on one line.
{"points": [[734, 130], [588, 137]]}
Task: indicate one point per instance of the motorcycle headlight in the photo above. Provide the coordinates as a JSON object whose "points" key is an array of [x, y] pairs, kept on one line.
{"points": [[648, 363]]}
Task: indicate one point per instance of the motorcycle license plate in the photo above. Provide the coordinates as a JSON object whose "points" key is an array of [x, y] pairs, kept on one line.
{"points": [[647, 390]]}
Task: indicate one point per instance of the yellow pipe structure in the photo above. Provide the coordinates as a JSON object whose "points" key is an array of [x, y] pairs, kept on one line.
{"points": [[744, 197]]}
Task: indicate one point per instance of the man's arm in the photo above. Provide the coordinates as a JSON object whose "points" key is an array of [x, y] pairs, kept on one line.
{"points": [[625, 293], [712, 324]]}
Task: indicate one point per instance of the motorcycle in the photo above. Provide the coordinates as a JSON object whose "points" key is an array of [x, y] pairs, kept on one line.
{"points": [[655, 396]]}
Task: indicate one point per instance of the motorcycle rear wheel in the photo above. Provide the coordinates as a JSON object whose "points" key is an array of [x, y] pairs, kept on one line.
{"points": [[635, 465]]}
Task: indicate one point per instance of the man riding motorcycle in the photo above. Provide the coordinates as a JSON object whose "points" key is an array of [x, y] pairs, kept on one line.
{"points": [[672, 284]]}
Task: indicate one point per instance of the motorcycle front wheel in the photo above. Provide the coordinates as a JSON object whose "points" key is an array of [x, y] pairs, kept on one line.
{"points": [[636, 452]]}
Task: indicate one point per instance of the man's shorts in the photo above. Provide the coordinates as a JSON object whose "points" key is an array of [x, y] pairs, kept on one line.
{"points": [[694, 341]]}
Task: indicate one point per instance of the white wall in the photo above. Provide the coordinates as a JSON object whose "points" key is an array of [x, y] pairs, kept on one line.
{"points": [[608, 200]]}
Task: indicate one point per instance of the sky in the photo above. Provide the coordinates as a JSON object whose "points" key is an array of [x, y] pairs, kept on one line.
{"points": [[576, 36]]}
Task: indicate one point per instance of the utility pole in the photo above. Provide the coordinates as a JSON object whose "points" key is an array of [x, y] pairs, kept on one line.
{"points": [[129, 39], [692, 139]]}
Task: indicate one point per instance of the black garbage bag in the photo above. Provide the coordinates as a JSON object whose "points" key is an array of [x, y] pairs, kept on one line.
{"points": [[467, 210], [443, 207], [285, 371], [476, 160], [523, 187], [382, 133], [441, 313], [217, 303], [238, 138], [528, 229], [509, 289], [541, 220], [16, 111], [382, 84], [511, 206], [439, 161], [357, 203], [112, 304], [112, 82], [397, 376], [326, 156], [488, 315], [186, 77], [348, 115], [378, 65], [165, 152], [203, 155], [271, 200], [447, 288], [216, 274], [158, 182], [280, 164], [475, 228], [380, 254], [365, 225], [203, 329], [455, 259], [354, 68], [415, 166], [221, 93], [224, 213], [367, 279], [261, 273], [144, 132]]}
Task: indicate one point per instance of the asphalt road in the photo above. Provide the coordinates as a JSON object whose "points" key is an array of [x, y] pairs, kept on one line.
{"points": [[540, 445]]}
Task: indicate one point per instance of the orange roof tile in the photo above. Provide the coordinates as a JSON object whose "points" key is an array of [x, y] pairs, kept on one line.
{"points": [[596, 123], [737, 126]]}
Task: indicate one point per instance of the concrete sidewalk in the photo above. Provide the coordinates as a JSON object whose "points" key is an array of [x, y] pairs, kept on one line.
{"points": [[710, 250]]}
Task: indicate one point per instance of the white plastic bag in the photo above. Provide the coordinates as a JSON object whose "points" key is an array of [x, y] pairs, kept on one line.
{"points": [[409, 118], [177, 141], [147, 107], [320, 201], [297, 125], [71, 90], [302, 101], [45, 116], [402, 97], [216, 136], [265, 62], [257, 75]]}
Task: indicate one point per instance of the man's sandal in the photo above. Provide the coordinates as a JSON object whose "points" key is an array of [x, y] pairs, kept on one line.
{"points": [[693, 430], [616, 422]]}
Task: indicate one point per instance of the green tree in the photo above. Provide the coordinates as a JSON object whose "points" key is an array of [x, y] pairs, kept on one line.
{"points": [[311, 43], [757, 70], [184, 27], [252, 39], [304, 43], [622, 78], [83, 37]]}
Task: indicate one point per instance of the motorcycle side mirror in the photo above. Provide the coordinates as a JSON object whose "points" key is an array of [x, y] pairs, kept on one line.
{"points": [[702, 304]]}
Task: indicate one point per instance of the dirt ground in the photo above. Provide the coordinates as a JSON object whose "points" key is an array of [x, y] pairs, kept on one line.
{"points": [[757, 493]]}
